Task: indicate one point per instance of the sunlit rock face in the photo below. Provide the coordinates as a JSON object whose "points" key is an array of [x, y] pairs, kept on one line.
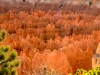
{"points": [[96, 57]]}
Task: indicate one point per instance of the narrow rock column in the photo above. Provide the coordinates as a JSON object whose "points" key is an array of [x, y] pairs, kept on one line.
{"points": [[96, 57]]}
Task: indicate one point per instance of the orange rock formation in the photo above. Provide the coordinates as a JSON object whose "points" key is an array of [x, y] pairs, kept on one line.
{"points": [[59, 40]]}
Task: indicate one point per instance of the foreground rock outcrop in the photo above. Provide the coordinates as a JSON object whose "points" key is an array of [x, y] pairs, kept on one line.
{"points": [[96, 58]]}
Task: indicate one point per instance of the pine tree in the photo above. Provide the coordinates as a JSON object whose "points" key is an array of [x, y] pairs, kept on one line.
{"points": [[8, 58]]}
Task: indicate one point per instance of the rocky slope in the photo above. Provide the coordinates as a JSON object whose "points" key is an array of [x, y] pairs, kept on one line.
{"points": [[46, 4]]}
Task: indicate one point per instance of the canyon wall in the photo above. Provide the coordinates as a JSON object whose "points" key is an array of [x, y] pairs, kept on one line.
{"points": [[47, 4]]}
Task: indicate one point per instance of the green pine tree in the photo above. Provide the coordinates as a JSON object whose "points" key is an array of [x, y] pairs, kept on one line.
{"points": [[8, 58]]}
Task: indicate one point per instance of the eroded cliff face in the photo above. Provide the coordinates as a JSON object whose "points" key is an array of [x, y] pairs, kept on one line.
{"points": [[47, 4]]}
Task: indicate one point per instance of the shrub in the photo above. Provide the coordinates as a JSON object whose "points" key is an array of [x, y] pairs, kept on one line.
{"points": [[94, 71], [8, 58]]}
